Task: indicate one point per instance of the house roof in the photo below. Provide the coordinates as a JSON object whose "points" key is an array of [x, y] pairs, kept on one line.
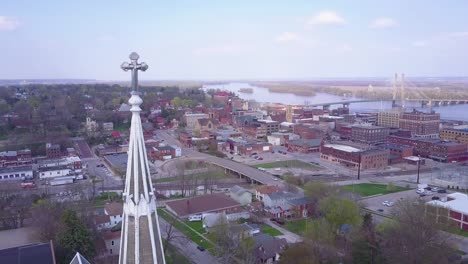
{"points": [[267, 189], [267, 246], [101, 219], [237, 190], [114, 208], [40, 253], [202, 204], [459, 204], [111, 235], [300, 201], [306, 142], [282, 195]]}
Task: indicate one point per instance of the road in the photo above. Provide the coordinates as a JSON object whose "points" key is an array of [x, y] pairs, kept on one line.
{"points": [[252, 173], [187, 247]]}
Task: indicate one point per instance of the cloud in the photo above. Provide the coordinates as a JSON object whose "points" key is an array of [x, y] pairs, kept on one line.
{"points": [[419, 44], [326, 17], [8, 23], [287, 37], [217, 50], [459, 34], [345, 48], [383, 22]]}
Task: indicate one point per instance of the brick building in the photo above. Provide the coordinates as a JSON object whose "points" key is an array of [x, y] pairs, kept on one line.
{"points": [[397, 152], [250, 148], [15, 158], [422, 125], [433, 148], [53, 151], [191, 120], [454, 134], [269, 125], [255, 131], [307, 132], [351, 157], [369, 134], [304, 145], [454, 208]]}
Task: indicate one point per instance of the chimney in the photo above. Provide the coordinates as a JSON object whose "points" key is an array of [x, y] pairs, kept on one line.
{"points": [[188, 206]]}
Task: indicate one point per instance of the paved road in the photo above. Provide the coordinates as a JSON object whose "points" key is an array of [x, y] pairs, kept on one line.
{"points": [[255, 174], [187, 247]]}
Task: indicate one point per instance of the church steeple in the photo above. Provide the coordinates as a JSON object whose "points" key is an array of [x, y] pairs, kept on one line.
{"points": [[141, 241]]}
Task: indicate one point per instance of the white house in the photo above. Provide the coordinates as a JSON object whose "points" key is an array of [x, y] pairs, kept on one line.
{"points": [[240, 195], [52, 172], [115, 212], [177, 150]]}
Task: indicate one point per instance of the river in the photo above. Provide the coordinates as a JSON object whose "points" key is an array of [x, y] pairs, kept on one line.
{"points": [[261, 94]]}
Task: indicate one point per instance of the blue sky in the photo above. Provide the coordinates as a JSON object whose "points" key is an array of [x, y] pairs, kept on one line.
{"points": [[233, 39]]}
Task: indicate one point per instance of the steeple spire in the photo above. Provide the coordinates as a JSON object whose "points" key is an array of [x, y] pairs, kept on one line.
{"points": [[141, 241]]}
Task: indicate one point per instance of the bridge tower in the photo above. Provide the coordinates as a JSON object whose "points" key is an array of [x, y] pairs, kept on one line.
{"points": [[289, 114], [399, 91]]}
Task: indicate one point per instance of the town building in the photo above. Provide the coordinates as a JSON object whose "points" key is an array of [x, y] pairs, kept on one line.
{"points": [[304, 145], [453, 207], [16, 173], [15, 158], [53, 151], [435, 149], [421, 124], [369, 134], [251, 148], [269, 125], [211, 203], [268, 249], [398, 153], [205, 124], [459, 135], [390, 118], [107, 126], [191, 119], [240, 195], [255, 131], [351, 157]]}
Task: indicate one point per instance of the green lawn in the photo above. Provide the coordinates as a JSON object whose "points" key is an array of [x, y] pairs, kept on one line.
{"points": [[266, 229], [288, 164], [195, 237], [298, 226], [368, 189], [197, 225], [200, 176]]}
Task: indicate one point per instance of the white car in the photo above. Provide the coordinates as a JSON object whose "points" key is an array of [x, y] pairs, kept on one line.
{"points": [[385, 203], [390, 204], [420, 191]]}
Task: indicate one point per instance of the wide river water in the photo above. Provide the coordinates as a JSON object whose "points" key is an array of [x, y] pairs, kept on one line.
{"points": [[261, 94]]}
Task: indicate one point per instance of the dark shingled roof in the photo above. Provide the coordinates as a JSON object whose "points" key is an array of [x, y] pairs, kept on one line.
{"points": [[41, 253], [201, 204]]}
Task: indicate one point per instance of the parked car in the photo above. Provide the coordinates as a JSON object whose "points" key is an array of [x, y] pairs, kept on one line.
{"points": [[428, 188], [201, 248], [442, 191], [280, 222], [380, 210], [260, 158], [422, 195], [435, 198]]}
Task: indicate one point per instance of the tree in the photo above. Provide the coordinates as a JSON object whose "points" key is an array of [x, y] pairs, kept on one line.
{"points": [[73, 237], [317, 190], [415, 236], [170, 235], [340, 211]]}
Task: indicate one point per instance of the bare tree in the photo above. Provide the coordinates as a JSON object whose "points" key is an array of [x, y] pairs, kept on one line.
{"points": [[415, 236], [170, 235]]}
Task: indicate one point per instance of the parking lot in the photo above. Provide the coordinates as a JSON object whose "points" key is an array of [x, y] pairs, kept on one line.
{"points": [[375, 203]]}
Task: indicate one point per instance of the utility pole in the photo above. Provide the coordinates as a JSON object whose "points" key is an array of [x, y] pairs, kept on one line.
{"points": [[419, 165], [359, 167]]}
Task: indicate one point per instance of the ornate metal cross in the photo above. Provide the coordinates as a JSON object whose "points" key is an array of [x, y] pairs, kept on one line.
{"points": [[134, 66]]}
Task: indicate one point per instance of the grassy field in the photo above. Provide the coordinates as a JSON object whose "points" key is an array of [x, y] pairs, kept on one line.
{"points": [[368, 189], [200, 176], [266, 229], [298, 226], [194, 236], [288, 164], [197, 225]]}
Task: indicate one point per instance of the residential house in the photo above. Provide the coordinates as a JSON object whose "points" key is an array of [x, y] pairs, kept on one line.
{"points": [[240, 195], [263, 190], [268, 249]]}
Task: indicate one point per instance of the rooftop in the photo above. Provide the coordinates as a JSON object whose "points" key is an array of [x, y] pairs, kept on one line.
{"points": [[342, 147], [16, 169], [40, 253], [202, 204], [459, 204]]}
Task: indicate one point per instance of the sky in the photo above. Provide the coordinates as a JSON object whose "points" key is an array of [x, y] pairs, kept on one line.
{"points": [[219, 40]]}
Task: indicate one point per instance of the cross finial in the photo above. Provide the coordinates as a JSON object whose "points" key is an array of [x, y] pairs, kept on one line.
{"points": [[134, 66]]}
